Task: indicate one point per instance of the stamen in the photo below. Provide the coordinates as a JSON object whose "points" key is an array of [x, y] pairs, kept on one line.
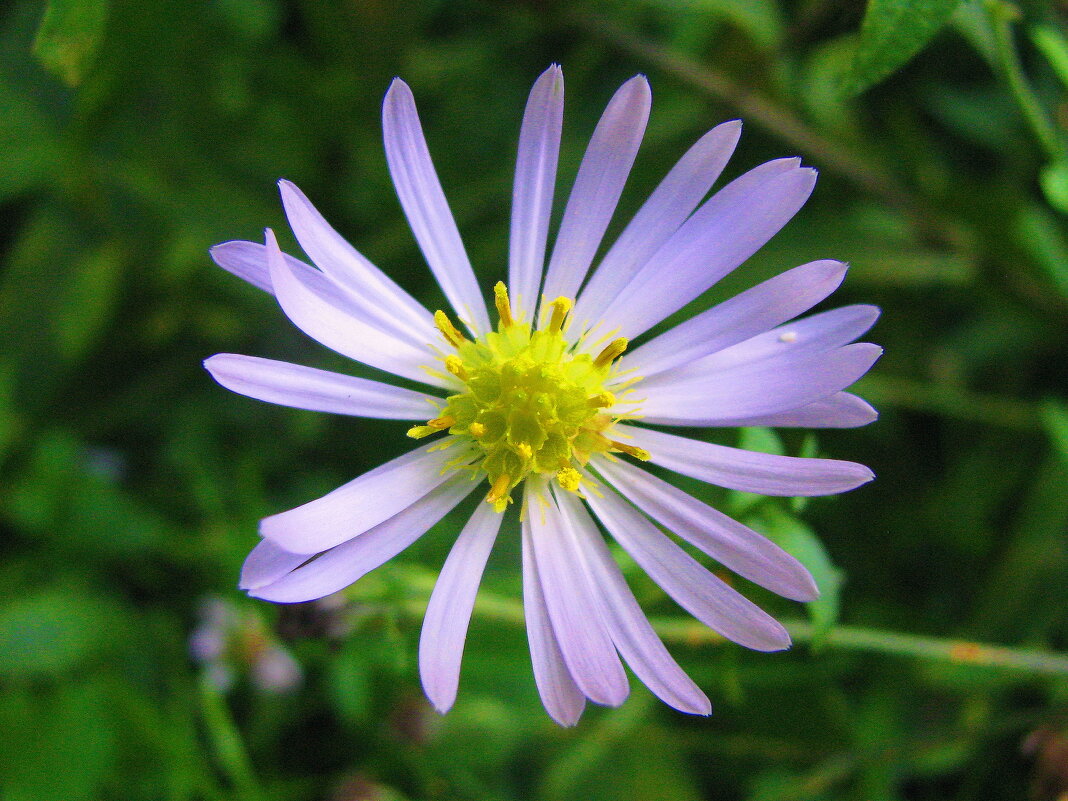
{"points": [[504, 307], [476, 430], [570, 479], [631, 450], [560, 306], [602, 400], [455, 365], [441, 423], [612, 352], [524, 450], [448, 330], [498, 494], [418, 432]]}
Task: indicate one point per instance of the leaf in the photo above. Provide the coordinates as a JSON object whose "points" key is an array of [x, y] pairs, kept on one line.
{"points": [[1054, 182], [49, 633], [1052, 44], [797, 539], [1038, 232], [1055, 421], [893, 32], [69, 36]]}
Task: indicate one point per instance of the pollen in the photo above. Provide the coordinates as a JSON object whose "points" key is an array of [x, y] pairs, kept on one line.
{"points": [[532, 403]]}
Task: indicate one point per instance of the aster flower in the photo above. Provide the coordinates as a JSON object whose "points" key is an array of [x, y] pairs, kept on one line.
{"points": [[547, 411]]}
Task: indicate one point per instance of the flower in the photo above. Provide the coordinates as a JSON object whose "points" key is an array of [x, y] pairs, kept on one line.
{"points": [[537, 411]]}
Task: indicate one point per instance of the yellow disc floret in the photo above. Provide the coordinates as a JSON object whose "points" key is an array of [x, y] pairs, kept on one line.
{"points": [[530, 403]]}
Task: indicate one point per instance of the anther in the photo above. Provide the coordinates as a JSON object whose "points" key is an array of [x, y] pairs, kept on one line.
{"points": [[630, 450], [524, 450], [561, 306], [476, 430], [504, 306], [455, 365], [448, 330], [441, 423], [498, 494], [602, 400], [418, 432], [612, 352], [570, 479]]}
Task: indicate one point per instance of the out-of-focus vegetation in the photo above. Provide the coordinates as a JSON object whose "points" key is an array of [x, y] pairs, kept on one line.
{"points": [[134, 135]]}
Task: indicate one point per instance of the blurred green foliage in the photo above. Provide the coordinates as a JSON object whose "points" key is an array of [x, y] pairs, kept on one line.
{"points": [[134, 135]]}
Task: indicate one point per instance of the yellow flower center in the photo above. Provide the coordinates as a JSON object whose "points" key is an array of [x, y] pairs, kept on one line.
{"points": [[531, 403]]}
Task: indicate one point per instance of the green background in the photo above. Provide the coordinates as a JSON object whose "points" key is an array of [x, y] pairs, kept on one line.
{"points": [[135, 135]]}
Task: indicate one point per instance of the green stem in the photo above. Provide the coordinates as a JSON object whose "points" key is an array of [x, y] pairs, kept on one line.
{"points": [[1001, 15], [851, 638], [226, 743], [908, 393]]}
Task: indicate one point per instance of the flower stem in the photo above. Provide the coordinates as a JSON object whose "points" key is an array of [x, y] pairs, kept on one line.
{"points": [[1001, 14], [850, 638], [226, 742]]}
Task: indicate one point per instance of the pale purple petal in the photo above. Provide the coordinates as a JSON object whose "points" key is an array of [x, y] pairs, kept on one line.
{"points": [[381, 296], [816, 334], [427, 209], [630, 630], [597, 188], [724, 232], [588, 651], [730, 543], [840, 410], [248, 261], [266, 563], [337, 329], [659, 217], [749, 390], [562, 698], [362, 503], [441, 643], [745, 315], [317, 390], [341, 566], [532, 193], [749, 471], [694, 588]]}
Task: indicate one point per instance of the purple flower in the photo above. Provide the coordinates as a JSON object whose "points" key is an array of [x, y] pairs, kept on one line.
{"points": [[537, 410]]}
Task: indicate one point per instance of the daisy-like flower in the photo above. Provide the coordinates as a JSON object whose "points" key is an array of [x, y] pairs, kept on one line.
{"points": [[547, 410]]}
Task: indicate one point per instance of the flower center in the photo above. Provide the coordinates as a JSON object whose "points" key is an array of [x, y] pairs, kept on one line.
{"points": [[531, 403]]}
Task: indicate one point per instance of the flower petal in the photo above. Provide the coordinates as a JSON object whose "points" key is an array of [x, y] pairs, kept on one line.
{"points": [[693, 587], [597, 188], [733, 545], [317, 390], [659, 217], [336, 328], [266, 563], [724, 232], [352, 560], [745, 315], [246, 260], [815, 334], [441, 643], [427, 209], [630, 630], [588, 651], [562, 698], [361, 504], [532, 193], [749, 471], [767, 387], [840, 410], [386, 302]]}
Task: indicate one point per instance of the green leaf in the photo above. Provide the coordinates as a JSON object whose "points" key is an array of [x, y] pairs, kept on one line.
{"points": [[797, 539], [1055, 421], [1040, 234], [69, 36], [49, 633], [1052, 44], [1054, 182], [894, 31]]}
